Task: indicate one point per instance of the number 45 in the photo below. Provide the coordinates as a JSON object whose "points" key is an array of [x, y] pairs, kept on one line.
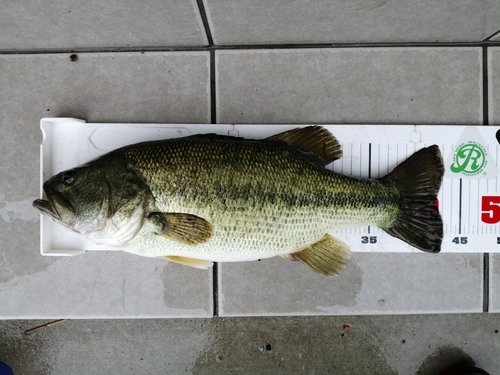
{"points": [[490, 209], [460, 240]]}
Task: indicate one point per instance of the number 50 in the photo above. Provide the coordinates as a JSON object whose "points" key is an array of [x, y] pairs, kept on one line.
{"points": [[490, 209]]}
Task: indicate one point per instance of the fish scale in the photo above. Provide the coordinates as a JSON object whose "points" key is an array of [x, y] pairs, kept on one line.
{"points": [[270, 199]]}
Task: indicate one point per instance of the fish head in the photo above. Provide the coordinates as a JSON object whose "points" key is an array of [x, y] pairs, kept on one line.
{"points": [[76, 198], [98, 200]]}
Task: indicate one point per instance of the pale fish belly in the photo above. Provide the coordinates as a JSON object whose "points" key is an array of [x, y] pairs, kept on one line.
{"points": [[254, 234]]}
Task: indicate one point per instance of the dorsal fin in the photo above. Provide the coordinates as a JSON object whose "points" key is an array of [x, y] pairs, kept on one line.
{"points": [[314, 139]]}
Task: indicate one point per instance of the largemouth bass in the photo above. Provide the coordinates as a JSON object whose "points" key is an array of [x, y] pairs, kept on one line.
{"points": [[210, 198]]}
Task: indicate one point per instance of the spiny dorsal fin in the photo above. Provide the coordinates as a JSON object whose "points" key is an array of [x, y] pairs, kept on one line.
{"points": [[191, 262], [314, 139], [185, 228], [327, 257]]}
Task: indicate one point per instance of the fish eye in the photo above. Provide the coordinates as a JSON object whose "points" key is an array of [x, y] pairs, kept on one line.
{"points": [[67, 178]]}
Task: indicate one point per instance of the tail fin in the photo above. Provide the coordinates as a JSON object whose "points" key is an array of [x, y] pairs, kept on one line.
{"points": [[418, 180]]}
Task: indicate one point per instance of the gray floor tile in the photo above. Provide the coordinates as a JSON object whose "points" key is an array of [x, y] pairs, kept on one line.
{"points": [[494, 119], [73, 24], [326, 21], [438, 86], [376, 283], [496, 37], [372, 345], [494, 305], [494, 85], [109, 284], [403, 86], [143, 88]]}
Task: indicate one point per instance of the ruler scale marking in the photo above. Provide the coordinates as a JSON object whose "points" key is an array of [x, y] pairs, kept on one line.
{"points": [[369, 168], [460, 208], [378, 164]]}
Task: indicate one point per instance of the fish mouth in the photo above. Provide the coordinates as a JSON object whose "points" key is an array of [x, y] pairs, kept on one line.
{"points": [[46, 208], [56, 206]]}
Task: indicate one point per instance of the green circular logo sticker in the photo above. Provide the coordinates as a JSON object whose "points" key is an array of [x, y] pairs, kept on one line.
{"points": [[469, 159]]}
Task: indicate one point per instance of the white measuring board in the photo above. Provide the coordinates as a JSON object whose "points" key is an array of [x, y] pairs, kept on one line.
{"points": [[469, 200]]}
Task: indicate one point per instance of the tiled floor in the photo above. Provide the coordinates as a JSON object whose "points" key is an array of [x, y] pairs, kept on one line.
{"points": [[379, 85]]}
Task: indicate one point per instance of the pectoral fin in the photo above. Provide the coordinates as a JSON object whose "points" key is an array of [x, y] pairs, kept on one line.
{"points": [[327, 257], [191, 262], [185, 228]]}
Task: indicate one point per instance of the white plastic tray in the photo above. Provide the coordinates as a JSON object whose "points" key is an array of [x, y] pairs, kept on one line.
{"points": [[469, 202]]}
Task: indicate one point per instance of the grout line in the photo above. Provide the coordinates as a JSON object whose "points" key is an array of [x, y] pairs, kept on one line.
{"points": [[204, 19], [213, 103], [357, 45], [486, 282], [215, 288], [40, 51], [211, 47], [213, 120], [486, 256], [486, 120], [491, 36]]}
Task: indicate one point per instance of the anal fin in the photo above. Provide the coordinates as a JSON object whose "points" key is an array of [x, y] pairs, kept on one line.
{"points": [[327, 257], [191, 262]]}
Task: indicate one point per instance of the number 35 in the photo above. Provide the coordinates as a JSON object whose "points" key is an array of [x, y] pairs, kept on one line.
{"points": [[366, 239]]}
